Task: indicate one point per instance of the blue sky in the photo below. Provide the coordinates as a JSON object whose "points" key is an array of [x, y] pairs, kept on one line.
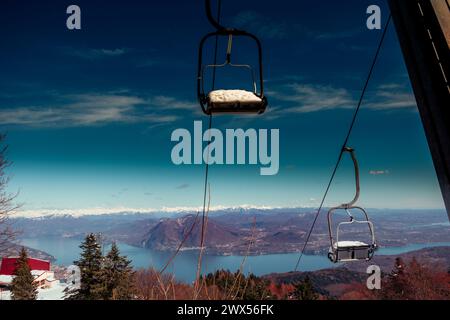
{"points": [[89, 113]]}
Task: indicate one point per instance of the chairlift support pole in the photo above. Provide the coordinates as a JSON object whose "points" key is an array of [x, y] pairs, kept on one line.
{"points": [[423, 28]]}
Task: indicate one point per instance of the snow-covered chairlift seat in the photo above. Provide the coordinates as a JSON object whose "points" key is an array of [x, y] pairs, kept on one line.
{"points": [[345, 251], [235, 101]]}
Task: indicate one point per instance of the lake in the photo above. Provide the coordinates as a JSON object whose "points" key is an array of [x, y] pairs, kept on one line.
{"points": [[67, 250]]}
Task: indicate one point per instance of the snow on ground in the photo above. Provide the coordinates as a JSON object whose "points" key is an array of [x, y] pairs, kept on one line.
{"points": [[56, 292], [5, 279], [5, 295]]}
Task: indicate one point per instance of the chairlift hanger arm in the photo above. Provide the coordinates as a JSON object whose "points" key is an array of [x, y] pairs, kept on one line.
{"points": [[216, 24], [357, 186], [210, 16]]}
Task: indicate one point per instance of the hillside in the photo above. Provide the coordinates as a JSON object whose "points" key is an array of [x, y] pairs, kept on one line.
{"points": [[169, 233], [286, 232], [438, 257], [333, 282], [14, 250]]}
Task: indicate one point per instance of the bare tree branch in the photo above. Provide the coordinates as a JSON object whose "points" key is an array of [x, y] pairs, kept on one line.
{"points": [[7, 207]]}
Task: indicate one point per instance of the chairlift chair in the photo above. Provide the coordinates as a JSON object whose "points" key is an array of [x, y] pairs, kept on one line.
{"points": [[236, 101], [345, 251]]}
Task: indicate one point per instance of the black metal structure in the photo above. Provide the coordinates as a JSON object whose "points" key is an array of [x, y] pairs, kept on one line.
{"points": [[422, 32], [344, 251], [209, 107]]}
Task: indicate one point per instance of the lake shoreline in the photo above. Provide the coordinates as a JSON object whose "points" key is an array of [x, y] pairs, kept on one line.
{"points": [[261, 253], [66, 251]]}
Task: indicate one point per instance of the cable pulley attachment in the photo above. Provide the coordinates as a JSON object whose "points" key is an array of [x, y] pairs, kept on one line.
{"points": [[355, 250], [234, 101]]}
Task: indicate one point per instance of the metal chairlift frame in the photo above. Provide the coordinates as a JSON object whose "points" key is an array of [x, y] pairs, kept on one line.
{"points": [[355, 252], [222, 31]]}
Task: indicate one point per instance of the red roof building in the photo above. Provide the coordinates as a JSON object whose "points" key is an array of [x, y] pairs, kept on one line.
{"points": [[8, 265], [40, 269]]}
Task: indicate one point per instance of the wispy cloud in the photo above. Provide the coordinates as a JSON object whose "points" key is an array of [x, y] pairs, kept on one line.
{"points": [[312, 98], [171, 103], [390, 86], [94, 54], [306, 98], [388, 99], [138, 57], [183, 186], [88, 110], [379, 172], [345, 34], [269, 28], [265, 27]]}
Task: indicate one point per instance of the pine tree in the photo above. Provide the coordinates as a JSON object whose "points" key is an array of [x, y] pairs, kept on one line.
{"points": [[117, 276], [90, 264], [399, 267], [305, 290], [23, 286], [397, 282], [238, 286]]}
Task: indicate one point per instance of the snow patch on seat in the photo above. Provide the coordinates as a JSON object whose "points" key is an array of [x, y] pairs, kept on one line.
{"points": [[347, 244], [233, 96]]}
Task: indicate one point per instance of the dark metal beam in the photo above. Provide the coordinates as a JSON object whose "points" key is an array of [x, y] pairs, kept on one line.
{"points": [[423, 30]]}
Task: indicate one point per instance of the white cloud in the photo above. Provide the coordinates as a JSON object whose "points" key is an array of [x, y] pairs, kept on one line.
{"points": [[378, 172], [386, 100], [263, 26], [312, 98], [93, 54], [170, 103], [390, 86], [334, 35], [269, 28], [305, 98], [87, 110]]}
